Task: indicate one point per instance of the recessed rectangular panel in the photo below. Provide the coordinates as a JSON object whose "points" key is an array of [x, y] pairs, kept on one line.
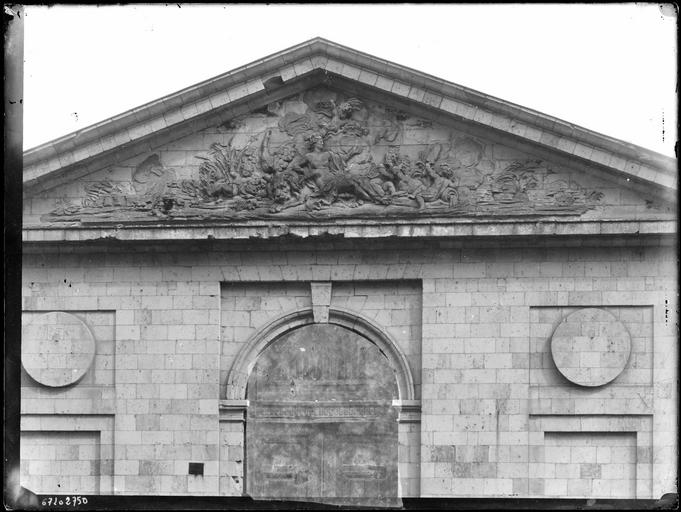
{"points": [[590, 464], [60, 462]]}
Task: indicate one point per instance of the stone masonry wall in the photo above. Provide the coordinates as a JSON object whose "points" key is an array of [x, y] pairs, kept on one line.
{"points": [[183, 157], [58, 461], [586, 464], [495, 412]]}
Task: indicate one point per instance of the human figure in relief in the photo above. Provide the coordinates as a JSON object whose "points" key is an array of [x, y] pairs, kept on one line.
{"points": [[327, 176], [438, 187]]}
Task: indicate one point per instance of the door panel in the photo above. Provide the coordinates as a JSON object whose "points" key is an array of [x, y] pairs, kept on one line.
{"points": [[320, 424]]}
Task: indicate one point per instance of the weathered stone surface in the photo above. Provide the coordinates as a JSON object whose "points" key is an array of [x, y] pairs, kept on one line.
{"points": [[473, 322], [326, 154], [591, 347], [55, 461], [454, 230], [57, 349], [321, 299]]}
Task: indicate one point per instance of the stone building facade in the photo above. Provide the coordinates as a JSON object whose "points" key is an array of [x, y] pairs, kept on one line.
{"points": [[325, 276]]}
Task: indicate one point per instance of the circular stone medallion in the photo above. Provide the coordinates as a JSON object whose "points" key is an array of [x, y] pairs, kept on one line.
{"points": [[590, 347], [57, 349]]}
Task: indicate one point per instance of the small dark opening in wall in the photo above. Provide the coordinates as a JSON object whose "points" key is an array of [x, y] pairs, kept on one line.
{"points": [[196, 468], [273, 83]]}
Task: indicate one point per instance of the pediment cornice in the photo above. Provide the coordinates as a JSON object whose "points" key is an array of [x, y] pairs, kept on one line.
{"points": [[142, 129]]}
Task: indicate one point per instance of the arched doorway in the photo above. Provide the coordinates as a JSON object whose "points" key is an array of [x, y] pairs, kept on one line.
{"points": [[320, 422]]}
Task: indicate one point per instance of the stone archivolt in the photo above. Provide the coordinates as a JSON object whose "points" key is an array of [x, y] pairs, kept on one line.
{"points": [[327, 155]]}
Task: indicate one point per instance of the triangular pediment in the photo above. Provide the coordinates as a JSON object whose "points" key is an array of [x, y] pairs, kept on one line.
{"points": [[319, 136]]}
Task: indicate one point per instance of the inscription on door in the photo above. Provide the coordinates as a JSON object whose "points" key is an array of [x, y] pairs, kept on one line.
{"points": [[320, 426]]}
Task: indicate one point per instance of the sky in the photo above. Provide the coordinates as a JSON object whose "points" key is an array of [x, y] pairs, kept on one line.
{"points": [[610, 68]]}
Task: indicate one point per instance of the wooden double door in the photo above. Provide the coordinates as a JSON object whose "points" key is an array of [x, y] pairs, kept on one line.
{"points": [[320, 425]]}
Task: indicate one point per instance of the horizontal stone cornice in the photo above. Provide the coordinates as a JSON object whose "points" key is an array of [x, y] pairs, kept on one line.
{"points": [[352, 230]]}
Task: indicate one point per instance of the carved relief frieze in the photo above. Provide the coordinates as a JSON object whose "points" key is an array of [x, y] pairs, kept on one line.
{"points": [[323, 154]]}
